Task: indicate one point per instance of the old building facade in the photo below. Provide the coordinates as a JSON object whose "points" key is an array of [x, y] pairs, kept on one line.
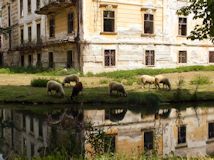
{"points": [[107, 35]]}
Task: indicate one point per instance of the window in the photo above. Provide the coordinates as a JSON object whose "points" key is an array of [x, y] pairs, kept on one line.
{"points": [[148, 24], [148, 140], [37, 4], [181, 134], [0, 41], [31, 125], [69, 59], [29, 34], [108, 21], [52, 27], [38, 60], [29, 6], [182, 57], [29, 60], [24, 146], [211, 130], [22, 36], [21, 8], [109, 143], [109, 57], [32, 149], [40, 129], [1, 59], [23, 122], [70, 22], [22, 60], [150, 57], [211, 57], [51, 61], [182, 26], [38, 32]]}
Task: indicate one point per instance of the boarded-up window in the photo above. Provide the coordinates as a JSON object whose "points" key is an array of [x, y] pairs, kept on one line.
{"points": [[211, 130], [109, 57], [211, 57], [182, 31], [148, 24], [70, 22], [181, 134], [51, 60], [182, 57], [150, 57], [109, 143], [52, 27], [29, 6], [29, 34], [108, 21], [148, 140]]}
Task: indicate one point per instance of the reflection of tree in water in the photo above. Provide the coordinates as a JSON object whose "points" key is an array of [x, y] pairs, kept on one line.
{"points": [[67, 128]]}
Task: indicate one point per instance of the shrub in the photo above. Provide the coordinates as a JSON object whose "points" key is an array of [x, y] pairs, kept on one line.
{"points": [[41, 82], [199, 80], [104, 81]]}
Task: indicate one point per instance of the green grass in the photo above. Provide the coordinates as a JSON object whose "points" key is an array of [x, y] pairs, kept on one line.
{"points": [[200, 80], [41, 82], [127, 74]]}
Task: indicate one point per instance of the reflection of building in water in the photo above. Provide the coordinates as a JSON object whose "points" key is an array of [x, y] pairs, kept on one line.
{"points": [[185, 132]]}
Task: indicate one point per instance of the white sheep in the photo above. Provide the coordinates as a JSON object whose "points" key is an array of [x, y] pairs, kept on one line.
{"points": [[57, 87], [113, 86], [162, 79], [70, 78], [146, 79]]}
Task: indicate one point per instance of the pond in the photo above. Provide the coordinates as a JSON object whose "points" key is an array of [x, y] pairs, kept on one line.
{"points": [[38, 130]]}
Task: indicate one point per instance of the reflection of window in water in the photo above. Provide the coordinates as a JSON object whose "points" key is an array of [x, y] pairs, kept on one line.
{"points": [[182, 134], [109, 143], [32, 149], [23, 121], [24, 143], [31, 124], [148, 140], [211, 130], [40, 129]]}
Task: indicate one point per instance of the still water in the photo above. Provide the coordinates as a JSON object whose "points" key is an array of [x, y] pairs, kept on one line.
{"points": [[183, 130]]}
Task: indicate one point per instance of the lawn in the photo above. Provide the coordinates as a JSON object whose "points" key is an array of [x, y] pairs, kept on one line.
{"points": [[16, 88]]}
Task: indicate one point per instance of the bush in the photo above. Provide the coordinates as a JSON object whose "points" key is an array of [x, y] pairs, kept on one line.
{"points": [[104, 81], [199, 80], [41, 82]]}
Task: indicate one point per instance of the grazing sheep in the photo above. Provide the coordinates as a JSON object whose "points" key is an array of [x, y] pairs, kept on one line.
{"points": [[117, 87], [70, 78], [161, 79], [76, 89], [57, 87], [146, 79]]}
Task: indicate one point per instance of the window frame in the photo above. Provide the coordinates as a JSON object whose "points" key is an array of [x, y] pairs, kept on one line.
{"points": [[109, 19], [180, 25], [144, 147], [209, 57], [69, 28], [115, 59], [29, 32], [145, 56], [180, 59], [21, 35], [52, 27], [148, 21], [210, 137], [179, 142]]}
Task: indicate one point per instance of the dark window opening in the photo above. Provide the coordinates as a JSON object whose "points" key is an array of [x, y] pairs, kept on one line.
{"points": [[108, 21], [109, 144], [182, 31], [38, 63], [37, 4], [51, 60], [23, 122], [69, 59], [29, 60], [22, 61], [29, 6], [22, 36], [38, 32], [211, 57], [32, 150], [150, 57], [181, 134], [31, 124], [70, 22], [29, 34], [1, 59], [40, 129], [182, 57], [21, 8], [148, 140], [109, 57], [211, 130], [148, 24], [52, 27]]}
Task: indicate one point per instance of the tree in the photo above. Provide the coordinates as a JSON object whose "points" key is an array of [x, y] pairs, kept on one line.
{"points": [[202, 10]]}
